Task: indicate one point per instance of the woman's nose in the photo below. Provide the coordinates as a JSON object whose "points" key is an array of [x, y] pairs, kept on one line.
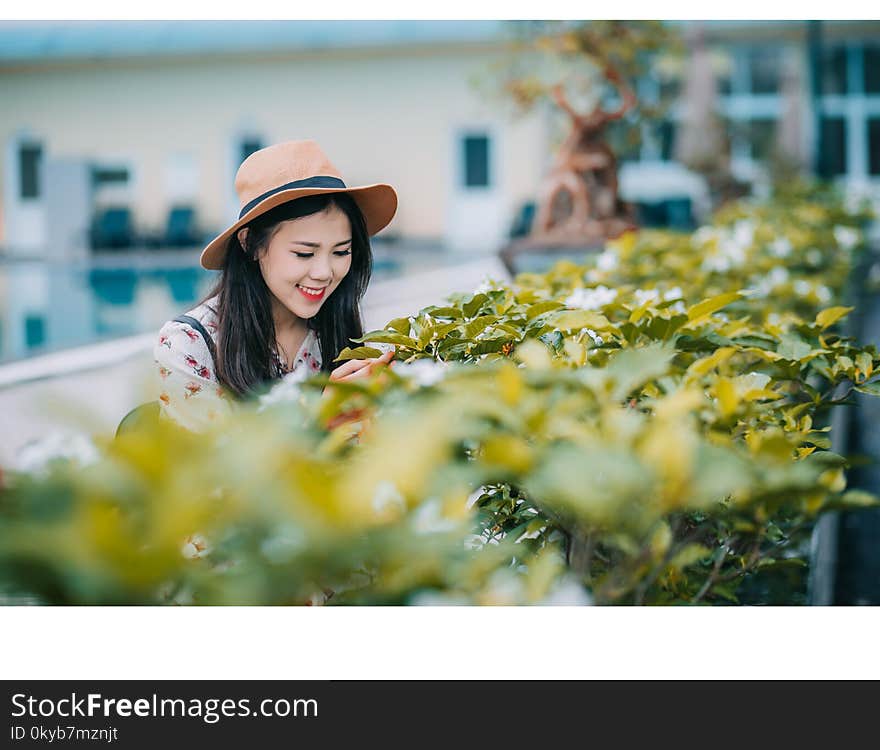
{"points": [[321, 269]]}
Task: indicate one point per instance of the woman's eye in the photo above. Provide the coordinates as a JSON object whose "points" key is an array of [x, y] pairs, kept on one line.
{"points": [[340, 253]]}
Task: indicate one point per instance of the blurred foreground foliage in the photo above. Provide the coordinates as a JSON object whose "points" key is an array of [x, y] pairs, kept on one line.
{"points": [[648, 427]]}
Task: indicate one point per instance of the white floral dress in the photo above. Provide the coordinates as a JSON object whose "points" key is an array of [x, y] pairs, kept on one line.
{"points": [[190, 393]]}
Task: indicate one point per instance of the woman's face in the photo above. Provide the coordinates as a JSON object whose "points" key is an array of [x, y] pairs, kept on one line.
{"points": [[306, 259]]}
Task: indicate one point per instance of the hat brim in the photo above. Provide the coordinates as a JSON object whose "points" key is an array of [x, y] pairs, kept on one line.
{"points": [[378, 204]]}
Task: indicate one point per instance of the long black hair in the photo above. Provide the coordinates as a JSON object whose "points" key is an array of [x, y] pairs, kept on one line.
{"points": [[246, 330]]}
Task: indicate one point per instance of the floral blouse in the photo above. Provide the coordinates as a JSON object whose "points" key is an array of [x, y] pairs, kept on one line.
{"points": [[190, 393]]}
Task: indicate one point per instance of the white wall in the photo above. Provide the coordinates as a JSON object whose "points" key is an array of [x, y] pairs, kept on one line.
{"points": [[381, 115]]}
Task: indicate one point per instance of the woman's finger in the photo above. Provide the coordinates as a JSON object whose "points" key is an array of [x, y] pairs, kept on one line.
{"points": [[374, 364], [362, 373], [348, 367], [360, 367]]}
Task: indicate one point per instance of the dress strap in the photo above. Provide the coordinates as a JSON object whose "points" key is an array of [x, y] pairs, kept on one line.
{"points": [[191, 321]]}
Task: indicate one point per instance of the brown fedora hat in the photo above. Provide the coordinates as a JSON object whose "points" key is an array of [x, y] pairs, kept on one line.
{"points": [[294, 169]]}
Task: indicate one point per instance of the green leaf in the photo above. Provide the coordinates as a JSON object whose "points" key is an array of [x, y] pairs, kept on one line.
{"points": [[401, 325], [436, 331], [689, 555], [872, 388], [792, 347], [865, 364], [726, 591], [387, 337], [708, 306], [542, 307], [476, 302], [359, 352], [829, 317], [575, 320], [488, 345], [451, 348], [512, 330], [444, 312], [631, 368], [478, 325], [859, 499]]}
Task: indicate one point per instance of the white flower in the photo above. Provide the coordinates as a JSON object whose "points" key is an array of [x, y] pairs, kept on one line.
{"points": [[802, 288], [733, 253], [567, 592], [486, 285], [778, 276], [597, 339], [704, 235], [195, 546], [743, 233], [504, 587], [751, 381], [591, 299], [645, 295], [36, 456], [607, 260], [814, 256], [424, 372], [387, 496], [847, 237], [285, 391], [823, 293], [653, 295], [780, 247], [732, 247], [715, 263], [428, 518]]}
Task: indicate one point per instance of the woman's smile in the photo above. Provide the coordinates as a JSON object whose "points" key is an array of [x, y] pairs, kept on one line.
{"points": [[312, 293]]}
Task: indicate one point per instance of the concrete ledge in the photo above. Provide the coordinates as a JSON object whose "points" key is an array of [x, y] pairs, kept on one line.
{"points": [[73, 360]]}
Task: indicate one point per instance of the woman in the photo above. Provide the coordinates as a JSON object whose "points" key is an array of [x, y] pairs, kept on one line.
{"points": [[295, 267]]}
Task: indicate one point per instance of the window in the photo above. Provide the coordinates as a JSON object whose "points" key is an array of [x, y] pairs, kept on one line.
{"points": [[34, 331], [764, 66], [834, 71], [874, 146], [109, 176], [669, 89], [248, 146], [29, 157], [626, 142], [833, 144], [476, 161], [666, 136], [871, 66], [761, 134], [723, 65]]}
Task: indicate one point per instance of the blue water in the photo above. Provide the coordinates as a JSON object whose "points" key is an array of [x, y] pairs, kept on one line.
{"points": [[46, 307]]}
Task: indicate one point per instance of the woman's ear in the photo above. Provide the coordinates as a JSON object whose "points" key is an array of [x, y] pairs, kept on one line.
{"points": [[242, 238]]}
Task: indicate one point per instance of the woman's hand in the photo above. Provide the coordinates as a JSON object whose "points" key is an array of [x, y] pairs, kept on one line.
{"points": [[354, 368], [359, 368]]}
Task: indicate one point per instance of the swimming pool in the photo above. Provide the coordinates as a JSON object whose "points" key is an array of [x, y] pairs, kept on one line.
{"points": [[47, 307]]}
